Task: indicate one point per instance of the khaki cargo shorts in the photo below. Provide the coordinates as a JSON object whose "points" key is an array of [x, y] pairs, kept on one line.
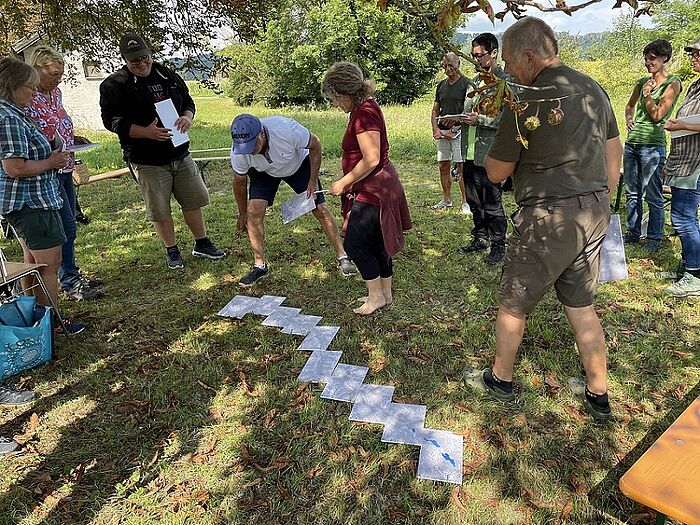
{"points": [[556, 245], [180, 178]]}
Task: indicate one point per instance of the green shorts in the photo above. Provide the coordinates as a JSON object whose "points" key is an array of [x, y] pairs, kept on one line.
{"points": [[556, 245], [180, 178], [40, 229]]}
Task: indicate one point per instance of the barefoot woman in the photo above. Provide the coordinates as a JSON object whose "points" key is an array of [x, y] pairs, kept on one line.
{"points": [[373, 201]]}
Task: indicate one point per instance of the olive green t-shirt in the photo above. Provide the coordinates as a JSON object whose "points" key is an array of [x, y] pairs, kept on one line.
{"points": [[564, 160], [645, 130]]}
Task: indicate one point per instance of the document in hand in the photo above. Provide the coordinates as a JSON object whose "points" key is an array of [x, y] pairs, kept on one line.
{"points": [[168, 115], [296, 207], [75, 148]]}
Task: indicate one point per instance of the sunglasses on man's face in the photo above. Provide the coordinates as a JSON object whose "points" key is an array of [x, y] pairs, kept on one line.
{"points": [[693, 54]]}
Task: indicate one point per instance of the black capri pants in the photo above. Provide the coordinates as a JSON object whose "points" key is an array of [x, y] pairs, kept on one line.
{"points": [[364, 242]]}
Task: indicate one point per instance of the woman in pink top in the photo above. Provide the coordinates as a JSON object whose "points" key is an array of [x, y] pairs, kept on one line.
{"points": [[374, 204]]}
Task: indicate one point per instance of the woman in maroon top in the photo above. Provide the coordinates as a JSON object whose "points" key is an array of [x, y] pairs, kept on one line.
{"points": [[374, 204]]}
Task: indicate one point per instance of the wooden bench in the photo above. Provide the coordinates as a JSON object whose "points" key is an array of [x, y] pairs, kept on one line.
{"points": [[667, 476], [202, 162]]}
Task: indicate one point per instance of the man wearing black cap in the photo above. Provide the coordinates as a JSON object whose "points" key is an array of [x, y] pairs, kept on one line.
{"points": [[127, 101], [268, 151]]}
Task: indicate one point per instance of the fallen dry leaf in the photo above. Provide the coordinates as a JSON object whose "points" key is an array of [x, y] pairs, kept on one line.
{"points": [[553, 385], [459, 498]]}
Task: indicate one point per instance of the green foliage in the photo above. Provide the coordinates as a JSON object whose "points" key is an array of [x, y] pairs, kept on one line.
{"points": [[286, 65]]}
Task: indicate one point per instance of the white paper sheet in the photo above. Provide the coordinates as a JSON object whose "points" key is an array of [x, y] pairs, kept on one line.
{"points": [[690, 119], [75, 148], [168, 115], [441, 457], [405, 424], [238, 306], [301, 324], [281, 316], [345, 382], [320, 366], [613, 266], [372, 404], [319, 338], [296, 207], [267, 304]]}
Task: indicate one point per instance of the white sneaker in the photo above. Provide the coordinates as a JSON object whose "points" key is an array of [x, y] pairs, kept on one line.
{"points": [[466, 210], [442, 204]]}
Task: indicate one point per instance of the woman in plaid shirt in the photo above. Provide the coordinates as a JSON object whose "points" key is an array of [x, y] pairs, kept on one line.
{"points": [[29, 192]]}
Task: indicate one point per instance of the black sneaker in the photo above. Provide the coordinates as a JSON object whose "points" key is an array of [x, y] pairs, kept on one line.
{"points": [[7, 445], [630, 238], [82, 218], [207, 249], [80, 291], [175, 261], [69, 327], [599, 413], [475, 246], [496, 255], [92, 283], [255, 275], [15, 398]]}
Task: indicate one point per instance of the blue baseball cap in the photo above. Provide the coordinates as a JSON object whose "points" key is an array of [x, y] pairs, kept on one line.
{"points": [[244, 132]]}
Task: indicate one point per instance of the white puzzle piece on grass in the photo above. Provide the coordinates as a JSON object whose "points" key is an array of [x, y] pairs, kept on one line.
{"points": [[238, 306], [296, 207], [281, 316], [301, 324], [319, 338], [372, 404], [405, 424], [345, 382], [613, 266], [320, 365], [441, 457], [267, 304]]}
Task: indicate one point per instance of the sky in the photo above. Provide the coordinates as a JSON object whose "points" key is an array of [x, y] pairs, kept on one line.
{"points": [[592, 19]]}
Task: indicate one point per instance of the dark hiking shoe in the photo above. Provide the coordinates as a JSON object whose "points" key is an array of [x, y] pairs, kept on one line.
{"points": [[497, 254], [475, 246], [15, 398], [652, 245], [207, 249], [80, 291], [254, 275], [175, 261], [630, 238]]}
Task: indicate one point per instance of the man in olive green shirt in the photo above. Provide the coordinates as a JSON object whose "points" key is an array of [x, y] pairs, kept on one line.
{"points": [[561, 181]]}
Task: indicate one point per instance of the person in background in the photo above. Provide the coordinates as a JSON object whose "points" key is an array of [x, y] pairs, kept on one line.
{"points": [[30, 195], [561, 184], [449, 100], [47, 111], [127, 102], [374, 204], [646, 112], [483, 196], [266, 152], [683, 175]]}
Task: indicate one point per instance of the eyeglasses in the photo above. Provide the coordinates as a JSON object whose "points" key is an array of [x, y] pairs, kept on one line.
{"points": [[693, 54], [140, 60], [477, 56]]}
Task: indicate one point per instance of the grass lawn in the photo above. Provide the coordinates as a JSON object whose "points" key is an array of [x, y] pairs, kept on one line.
{"points": [[161, 412]]}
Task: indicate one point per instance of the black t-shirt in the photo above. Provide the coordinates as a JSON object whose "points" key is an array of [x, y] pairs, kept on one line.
{"points": [[154, 85]]}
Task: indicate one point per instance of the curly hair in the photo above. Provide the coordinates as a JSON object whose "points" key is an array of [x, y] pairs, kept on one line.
{"points": [[13, 75], [346, 78]]}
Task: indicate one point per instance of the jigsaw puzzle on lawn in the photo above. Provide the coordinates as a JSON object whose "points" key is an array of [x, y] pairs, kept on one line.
{"points": [[440, 456]]}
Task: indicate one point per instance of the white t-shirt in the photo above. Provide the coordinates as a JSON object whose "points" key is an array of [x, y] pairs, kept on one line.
{"points": [[288, 141]]}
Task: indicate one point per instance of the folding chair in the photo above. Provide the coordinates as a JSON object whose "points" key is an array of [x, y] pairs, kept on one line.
{"points": [[12, 274]]}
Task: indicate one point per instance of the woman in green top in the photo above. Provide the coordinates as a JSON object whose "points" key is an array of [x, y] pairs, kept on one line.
{"points": [[650, 105]]}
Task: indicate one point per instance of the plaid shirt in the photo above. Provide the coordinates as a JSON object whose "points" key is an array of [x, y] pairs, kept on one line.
{"points": [[20, 138]]}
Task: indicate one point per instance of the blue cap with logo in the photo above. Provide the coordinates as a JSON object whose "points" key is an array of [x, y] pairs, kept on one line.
{"points": [[244, 132]]}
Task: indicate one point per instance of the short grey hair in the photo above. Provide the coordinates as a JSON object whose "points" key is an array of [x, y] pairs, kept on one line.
{"points": [[13, 75], [452, 59], [533, 34]]}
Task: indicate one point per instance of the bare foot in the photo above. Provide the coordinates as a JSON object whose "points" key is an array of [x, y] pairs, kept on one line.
{"points": [[364, 298], [370, 306]]}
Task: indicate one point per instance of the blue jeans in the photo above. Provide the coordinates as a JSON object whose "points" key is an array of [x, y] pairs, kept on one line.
{"points": [[68, 273], [684, 216], [642, 174]]}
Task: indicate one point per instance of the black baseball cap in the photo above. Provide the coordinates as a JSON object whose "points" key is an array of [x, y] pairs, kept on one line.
{"points": [[132, 46]]}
